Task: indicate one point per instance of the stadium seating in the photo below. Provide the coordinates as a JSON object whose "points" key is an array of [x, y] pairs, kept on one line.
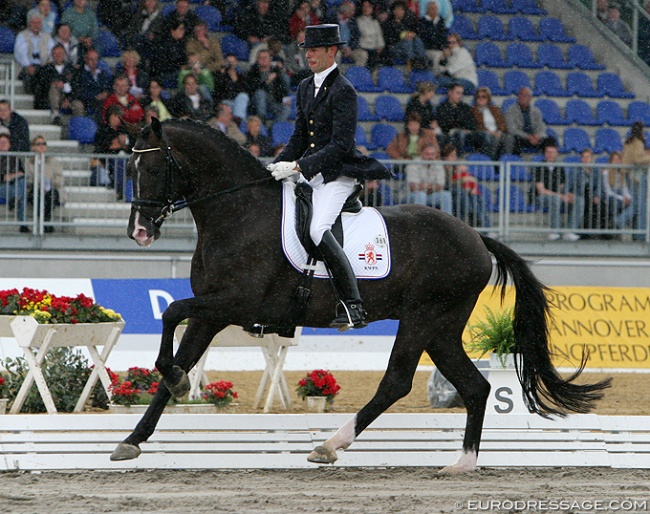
{"points": [[82, 129], [107, 44], [520, 55], [553, 30], [581, 56], [489, 79], [517, 173], [516, 200], [580, 113], [361, 78], [421, 76], [389, 108], [549, 83], [575, 140], [489, 54], [281, 132], [464, 26], [578, 83], [611, 113], [498, 7], [607, 140], [528, 7], [231, 44], [364, 112], [523, 29], [550, 112], [210, 15], [392, 80], [492, 29], [382, 134], [361, 139], [514, 80], [610, 84], [7, 40], [483, 172], [507, 103], [551, 55], [639, 111], [472, 6]]}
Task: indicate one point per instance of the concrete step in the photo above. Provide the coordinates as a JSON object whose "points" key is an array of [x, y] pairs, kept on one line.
{"points": [[89, 194], [96, 210], [63, 146], [76, 178], [49, 132], [34, 116]]}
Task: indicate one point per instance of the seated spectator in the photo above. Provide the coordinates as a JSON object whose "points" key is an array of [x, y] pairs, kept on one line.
{"points": [[254, 136], [146, 25], [616, 194], [255, 23], [586, 185], [457, 65], [254, 149], [371, 37], [426, 181], [129, 66], [44, 9], [302, 17], [69, 43], [132, 111], [224, 122], [617, 25], [420, 102], [112, 138], [295, 63], [166, 65], [643, 36], [32, 50], [53, 190], [268, 85], [12, 179], [490, 123], [602, 10], [191, 101], [457, 121], [82, 22], [635, 152], [525, 124], [230, 88], [401, 37], [206, 48], [433, 33], [182, 14], [409, 143], [16, 126], [54, 86], [274, 47], [90, 86], [550, 191], [158, 98], [445, 10], [349, 32], [202, 75], [150, 112]]}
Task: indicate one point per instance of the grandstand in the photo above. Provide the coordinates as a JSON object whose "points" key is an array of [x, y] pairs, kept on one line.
{"points": [[588, 84]]}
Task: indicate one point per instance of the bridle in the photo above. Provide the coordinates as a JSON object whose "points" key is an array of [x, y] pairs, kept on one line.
{"points": [[169, 206]]}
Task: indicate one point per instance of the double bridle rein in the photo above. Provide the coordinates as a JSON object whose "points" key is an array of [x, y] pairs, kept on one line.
{"points": [[170, 206]]}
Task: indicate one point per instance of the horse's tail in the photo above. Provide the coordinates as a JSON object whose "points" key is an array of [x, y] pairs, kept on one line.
{"points": [[545, 391]]}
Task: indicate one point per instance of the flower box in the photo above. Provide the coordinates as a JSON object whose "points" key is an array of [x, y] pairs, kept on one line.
{"points": [[3, 405], [29, 332], [5, 326], [179, 408]]}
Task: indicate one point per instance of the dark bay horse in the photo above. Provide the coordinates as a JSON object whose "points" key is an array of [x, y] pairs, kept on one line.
{"points": [[240, 277]]}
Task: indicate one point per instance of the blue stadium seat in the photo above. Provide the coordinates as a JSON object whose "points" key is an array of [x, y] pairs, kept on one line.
{"points": [[507, 103], [382, 156], [528, 7], [517, 173], [553, 30], [361, 139], [465, 27], [491, 28], [516, 201], [611, 113], [549, 83], [281, 132], [210, 15], [514, 80], [361, 79], [82, 129], [550, 132], [167, 9], [392, 80], [107, 44], [231, 44], [7, 40], [365, 113], [607, 140], [421, 76], [389, 108], [489, 79], [472, 6], [575, 140], [639, 111], [550, 112], [482, 172], [580, 84], [489, 54], [581, 56], [498, 7], [382, 134], [523, 29], [551, 55], [610, 84], [579, 112], [520, 55]]}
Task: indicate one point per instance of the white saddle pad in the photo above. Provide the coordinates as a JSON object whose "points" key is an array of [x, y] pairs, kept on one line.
{"points": [[365, 240]]}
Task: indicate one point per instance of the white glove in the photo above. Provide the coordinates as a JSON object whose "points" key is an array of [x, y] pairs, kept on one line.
{"points": [[283, 170]]}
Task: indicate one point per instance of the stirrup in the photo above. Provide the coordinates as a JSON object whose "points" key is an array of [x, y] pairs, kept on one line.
{"points": [[350, 316]]}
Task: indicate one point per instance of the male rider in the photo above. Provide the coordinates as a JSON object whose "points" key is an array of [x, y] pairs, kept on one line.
{"points": [[322, 149]]}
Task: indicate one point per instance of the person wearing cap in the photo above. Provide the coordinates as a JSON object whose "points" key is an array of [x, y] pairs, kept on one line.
{"points": [[322, 151], [618, 26]]}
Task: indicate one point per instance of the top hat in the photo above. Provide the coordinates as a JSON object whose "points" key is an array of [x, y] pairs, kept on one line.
{"points": [[322, 35]]}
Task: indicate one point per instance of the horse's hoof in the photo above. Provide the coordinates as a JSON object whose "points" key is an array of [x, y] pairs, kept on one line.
{"points": [[322, 455], [126, 451], [182, 386]]}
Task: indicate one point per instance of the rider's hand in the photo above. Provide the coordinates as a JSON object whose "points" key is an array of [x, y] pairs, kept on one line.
{"points": [[283, 170]]}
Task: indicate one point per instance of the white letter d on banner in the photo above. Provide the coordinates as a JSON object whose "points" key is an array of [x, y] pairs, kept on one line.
{"points": [[155, 295]]}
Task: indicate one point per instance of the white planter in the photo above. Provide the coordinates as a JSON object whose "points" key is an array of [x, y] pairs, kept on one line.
{"points": [[180, 408], [3, 405], [316, 403], [506, 396], [29, 332], [5, 326], [505, 361]]}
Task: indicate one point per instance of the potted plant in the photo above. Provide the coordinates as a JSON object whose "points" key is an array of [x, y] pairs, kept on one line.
{"points": [[319, 387], [219, 393], [494, 335]]}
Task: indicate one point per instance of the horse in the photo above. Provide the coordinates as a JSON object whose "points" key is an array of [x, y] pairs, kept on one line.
{"points": [[239, 276]]}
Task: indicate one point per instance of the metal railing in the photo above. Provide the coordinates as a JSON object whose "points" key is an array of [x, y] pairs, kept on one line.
{"points": [[8, 77]]}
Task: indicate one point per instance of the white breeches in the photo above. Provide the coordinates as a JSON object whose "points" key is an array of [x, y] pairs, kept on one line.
{"points": [[328, 200]]}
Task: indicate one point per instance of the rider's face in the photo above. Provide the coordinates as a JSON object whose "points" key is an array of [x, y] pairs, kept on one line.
{"points": [[320, 58]]}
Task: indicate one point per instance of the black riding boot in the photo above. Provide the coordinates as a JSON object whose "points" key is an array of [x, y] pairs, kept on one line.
{"points": [[349, 313]]}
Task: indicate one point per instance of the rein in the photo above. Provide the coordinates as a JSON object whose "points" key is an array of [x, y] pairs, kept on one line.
{"points": [[169, 207]]}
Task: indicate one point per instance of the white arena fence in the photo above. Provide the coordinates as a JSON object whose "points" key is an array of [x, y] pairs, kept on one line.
{"points": [[98, 195]]}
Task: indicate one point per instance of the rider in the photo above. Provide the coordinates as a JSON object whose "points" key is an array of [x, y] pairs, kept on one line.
{"points": [[322, 149]]}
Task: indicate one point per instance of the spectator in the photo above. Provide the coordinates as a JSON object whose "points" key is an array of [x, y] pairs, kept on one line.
{"points": [[12, 178], [32, 51], [254, 149], [230, 88], [202, 75], [302, 17], [113, 138], [634, 152], [157, 97], [82, 22], [191, 101], [255, 23], [409, 143], [296, 64], [426, 181], [445, 10], [457, 65], [457, 121], [420, 102], [115, 15], [618, 26], [371, 37], [525, 124], [69, 43], [182, 14], [166, 65], [550, 192], [490, 123], [146, 26], [44, 9], [433, 33], [349, 32], [643, 36], [616, 194], [90, 86], [132, 111], [268, 85], [586, 185], [273, 45], [254, 136], [52, 179], [150, 112], [129, 66], [17, 127], [54, 86], [224, 122], [602, 10], [207, 49], [400, 35]]}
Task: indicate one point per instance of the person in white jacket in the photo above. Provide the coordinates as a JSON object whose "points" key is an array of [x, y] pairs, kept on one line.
{"points": [[457, 66]]}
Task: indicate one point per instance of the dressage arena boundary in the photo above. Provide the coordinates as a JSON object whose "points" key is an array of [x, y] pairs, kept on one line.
{"points": [[267, 441]]}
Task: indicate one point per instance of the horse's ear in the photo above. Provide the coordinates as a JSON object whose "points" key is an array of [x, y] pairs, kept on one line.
{"points": [[132, 130], [156, 126]]}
